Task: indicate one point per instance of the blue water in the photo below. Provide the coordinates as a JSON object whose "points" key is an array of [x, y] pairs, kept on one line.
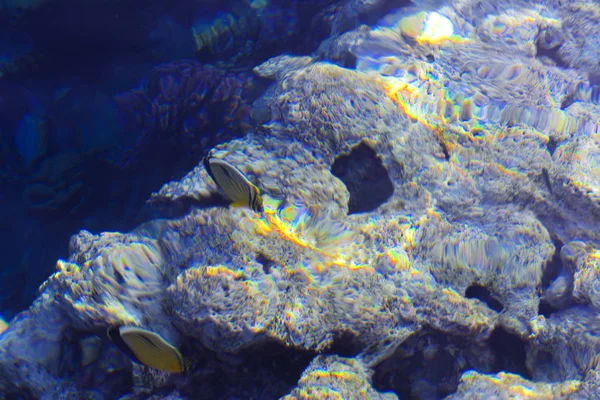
{"points": [[72, 157], [102, 102]]}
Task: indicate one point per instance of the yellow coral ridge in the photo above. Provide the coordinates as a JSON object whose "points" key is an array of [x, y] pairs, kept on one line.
{"points": [[517, 387], [338, 375], [287, 232], [316, 393], [214, 271]]}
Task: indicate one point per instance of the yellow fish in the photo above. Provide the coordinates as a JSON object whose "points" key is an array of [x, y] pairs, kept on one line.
{"points": [[148, 348], [234, 183]]}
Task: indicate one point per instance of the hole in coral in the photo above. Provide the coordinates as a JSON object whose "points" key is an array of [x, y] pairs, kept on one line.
{"points": [[395, 374], [546, 309], [548, 45], [423, 367], [482, 293], [510, 353], [553, 55], [346, 344], [365, 177], [265, 262]]}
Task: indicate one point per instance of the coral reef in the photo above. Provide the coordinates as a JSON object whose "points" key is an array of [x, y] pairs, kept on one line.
{"points": [[474, 276], [480, 386], [183, 109], [334, 377], [249, 32]]}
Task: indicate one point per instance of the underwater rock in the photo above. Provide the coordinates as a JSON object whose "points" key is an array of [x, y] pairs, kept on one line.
{"points": [[475, 385], [581, 21], [560, 293], [488, 172], [276, 67], [505, 251], [40, 365], [336, 377], [564, 346], [586, 272]]}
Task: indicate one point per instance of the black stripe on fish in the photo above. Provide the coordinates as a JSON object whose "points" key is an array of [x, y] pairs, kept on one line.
{"points": [[115, 336]]}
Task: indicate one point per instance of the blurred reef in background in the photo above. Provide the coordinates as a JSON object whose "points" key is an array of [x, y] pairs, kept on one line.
{"points": [[102, 102], [431, 181]]}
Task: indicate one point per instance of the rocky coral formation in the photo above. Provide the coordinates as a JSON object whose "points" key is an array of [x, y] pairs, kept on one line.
{"points": [[479, 386], [334, 377], [435, 291]]}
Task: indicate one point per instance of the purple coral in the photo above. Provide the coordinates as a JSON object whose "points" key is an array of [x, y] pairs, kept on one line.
{"points": [[187, 107]]}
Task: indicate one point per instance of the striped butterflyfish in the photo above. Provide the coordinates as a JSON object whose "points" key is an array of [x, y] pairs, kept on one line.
{"points": [[148, 348], [234, 184]]}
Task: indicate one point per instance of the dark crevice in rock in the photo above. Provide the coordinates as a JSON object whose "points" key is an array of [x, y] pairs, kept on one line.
{"points": [[567, 101], [548, 45], [394, 374], [365, 177], [479, 292], [265, 261], [267, 370], [430, 365], [546, 309], [445, 149], [551, 145], [119, 277], [555, 265], [547, 181], [345, 344], [510, 353], [422, 367], [554, 55]]}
